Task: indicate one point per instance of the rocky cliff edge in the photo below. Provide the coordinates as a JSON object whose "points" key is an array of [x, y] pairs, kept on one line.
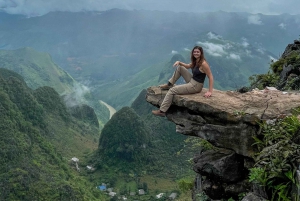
{"points": [[228, 119]]}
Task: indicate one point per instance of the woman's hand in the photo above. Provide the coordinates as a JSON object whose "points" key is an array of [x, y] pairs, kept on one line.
{"points": [[207, 94], [177, 63]]}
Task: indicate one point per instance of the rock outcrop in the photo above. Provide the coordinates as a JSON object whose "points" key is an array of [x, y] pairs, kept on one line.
{"points": [[229, 120]]}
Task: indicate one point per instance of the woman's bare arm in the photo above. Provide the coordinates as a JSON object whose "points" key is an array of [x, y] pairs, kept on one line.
{"points": [[179, 63], [207, 71]]}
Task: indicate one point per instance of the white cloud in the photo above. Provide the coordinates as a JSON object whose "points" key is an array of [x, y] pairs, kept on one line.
{"points": [[211, 35], [282, 25], [77, 97], [273, 59], [261, 50], [234, 56], [254, 19], [174, 52], [245, 42], [213, 49], [187, 49], [228, 46], [248, 53]]}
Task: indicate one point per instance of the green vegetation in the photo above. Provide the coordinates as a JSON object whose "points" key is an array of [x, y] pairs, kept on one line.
{"points": [[138, 150], [124, 139], [31, 166], [272, 77], [278, 157], [37, 69]]}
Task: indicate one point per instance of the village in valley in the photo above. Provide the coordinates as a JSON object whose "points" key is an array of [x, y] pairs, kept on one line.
{"points": [[132, 195]]}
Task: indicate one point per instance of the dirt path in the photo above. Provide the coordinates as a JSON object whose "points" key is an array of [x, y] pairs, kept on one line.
{"points": [[112, 110]]}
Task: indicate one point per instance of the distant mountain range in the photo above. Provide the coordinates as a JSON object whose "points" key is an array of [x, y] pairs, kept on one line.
{"points": [[112, 49]]}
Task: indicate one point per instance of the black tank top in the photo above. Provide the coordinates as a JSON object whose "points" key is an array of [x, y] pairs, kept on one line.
{"points": [[198, 75]]}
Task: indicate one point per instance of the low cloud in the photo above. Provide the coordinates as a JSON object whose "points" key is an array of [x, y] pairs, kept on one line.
{"points": [[248, 53], [211, 35], [77, 97], [216, 50], [174, 52], [221, 50], [260, 50], [273, 59], [282, 25], [234, 56], [245, 42], [254, 19]]}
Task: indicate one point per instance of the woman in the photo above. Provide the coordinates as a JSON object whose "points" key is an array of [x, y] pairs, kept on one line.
{"points": [[194, 82]]}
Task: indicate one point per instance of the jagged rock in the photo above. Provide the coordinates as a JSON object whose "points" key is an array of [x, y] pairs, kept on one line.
{"points": [[296, 187], [296, 139], [259, 190], [237, 188], [221, 165], [297, 42], [228, 119], [253, 197], [290, 48], [213, 189]]}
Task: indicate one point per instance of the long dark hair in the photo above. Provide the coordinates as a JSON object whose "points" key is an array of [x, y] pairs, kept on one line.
{"points": [[194, 60]]}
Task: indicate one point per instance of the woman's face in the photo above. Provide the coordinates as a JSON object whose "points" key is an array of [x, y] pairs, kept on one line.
{"points": [[196, 53]]}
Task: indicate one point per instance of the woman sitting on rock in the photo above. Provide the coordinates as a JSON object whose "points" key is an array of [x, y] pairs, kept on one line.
{"points": [[194, 82]]}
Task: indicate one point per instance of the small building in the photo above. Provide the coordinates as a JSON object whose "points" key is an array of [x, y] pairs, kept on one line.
{"points": [[141, 192], [173, 196], [102, 187], [74, 159], [112, 194], [90, 168], [160, 195], [132, 193]]}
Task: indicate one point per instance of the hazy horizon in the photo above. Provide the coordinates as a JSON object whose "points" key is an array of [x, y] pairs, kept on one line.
{"points": [[42, 7]]}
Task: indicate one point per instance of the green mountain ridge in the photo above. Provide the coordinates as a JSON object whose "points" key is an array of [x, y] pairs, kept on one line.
{"points": [[32, 167], [37, 70], [133, 138]]}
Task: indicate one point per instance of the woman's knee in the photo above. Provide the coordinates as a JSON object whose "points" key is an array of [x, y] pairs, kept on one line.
{"points": [[172, 91], [181, 68]]}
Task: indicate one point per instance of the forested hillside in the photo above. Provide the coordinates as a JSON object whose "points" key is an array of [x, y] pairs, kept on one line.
{"points": [[38, 70], [32, 165]]}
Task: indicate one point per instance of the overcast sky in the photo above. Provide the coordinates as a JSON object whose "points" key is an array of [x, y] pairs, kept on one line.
{"points": [[41, 7]]}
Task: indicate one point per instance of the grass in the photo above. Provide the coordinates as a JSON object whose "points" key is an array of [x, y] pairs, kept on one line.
{"points": [[73, 141]]}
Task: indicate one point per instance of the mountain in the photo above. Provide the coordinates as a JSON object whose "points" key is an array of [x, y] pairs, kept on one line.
{"points": [[133, 138], [124, 140], [38, 70], [33, 165], [283, 73]]}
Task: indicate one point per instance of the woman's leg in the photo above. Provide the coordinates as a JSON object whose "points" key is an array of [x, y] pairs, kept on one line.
{"points": [[189, 88], [180, 71]]}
